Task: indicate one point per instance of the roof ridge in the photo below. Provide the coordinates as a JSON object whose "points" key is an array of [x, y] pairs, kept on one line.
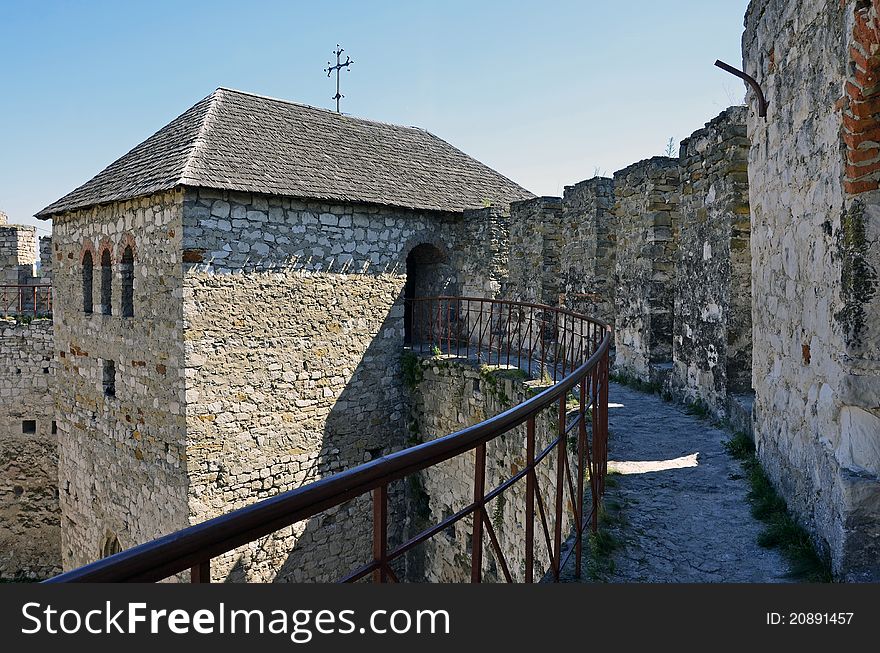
{"points": [[198, 143], [240, 141], [322, 109]]}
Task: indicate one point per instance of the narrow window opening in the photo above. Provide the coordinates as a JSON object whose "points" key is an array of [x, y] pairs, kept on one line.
{"points": [[126, 269], [54, 427], [106, 283], [109, 380], [87, 266], [29, 426], [110, 546]]}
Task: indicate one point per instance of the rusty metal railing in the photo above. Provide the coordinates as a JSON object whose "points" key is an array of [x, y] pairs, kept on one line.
{"points": [[570, 349], [34, 301]]}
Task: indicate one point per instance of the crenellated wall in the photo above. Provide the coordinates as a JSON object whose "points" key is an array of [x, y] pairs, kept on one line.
{"points": [[712, 335], [646, 222], [562, 249], [30, 529]]}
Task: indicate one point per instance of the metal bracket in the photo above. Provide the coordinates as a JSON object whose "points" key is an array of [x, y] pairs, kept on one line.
{"points": [[762, 101]]}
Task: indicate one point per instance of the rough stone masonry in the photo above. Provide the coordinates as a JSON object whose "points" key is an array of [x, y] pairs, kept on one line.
{"points": [[30, 522], [222, 341], [646, 198], [262, 349], [712, 327], [813, 180]]}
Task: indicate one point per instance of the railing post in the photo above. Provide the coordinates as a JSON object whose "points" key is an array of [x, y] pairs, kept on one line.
{"points": [[479, 496], [597, 436], [603, 401], [201, 573], [560, 481], [582, 443], [530, 499], [380, 533]]}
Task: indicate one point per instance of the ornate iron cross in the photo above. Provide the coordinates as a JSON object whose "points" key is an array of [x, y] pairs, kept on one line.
{"points": [[339, 66]]}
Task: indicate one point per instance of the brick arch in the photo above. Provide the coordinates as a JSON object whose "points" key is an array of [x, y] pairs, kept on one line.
{"points": [[861, 116], [105, 244], [88, 246], [127, 240]]}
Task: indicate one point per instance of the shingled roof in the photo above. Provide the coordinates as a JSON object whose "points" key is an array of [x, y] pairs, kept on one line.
{"points": [[238, 141]]}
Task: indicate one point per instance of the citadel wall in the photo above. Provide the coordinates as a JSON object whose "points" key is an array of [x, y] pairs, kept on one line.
{"points": [[30, 523], [813, 188], [294, 328], [123, 454], [646, 219], [562, 249], [29, 514], [18, 253], [448, 395], [712, 336]]}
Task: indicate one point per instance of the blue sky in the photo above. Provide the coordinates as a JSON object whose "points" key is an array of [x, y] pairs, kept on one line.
{"points": [[548, 93]]}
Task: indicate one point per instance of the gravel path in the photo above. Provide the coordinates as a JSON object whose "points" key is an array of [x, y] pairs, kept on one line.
{"points": [[678, 507]]}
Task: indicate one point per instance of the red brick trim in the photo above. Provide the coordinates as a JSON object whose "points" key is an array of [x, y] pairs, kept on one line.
{"points": [[107, 245], [127, 241], [88, 246], [861, 113]]}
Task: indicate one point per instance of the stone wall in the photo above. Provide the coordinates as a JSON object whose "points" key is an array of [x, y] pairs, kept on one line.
{"points": [[18, 253], [447, 395], [814, 231], [646, 221], [712, 343], [562, 250], [30, 522], [294, 330], [123, 458], [45, 259]]}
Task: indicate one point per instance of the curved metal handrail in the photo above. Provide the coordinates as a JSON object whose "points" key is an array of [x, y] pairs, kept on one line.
{"points": [[194, 546]]}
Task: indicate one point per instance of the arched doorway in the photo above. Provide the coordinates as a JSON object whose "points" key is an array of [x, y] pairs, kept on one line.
{"points": [[428, 274]]}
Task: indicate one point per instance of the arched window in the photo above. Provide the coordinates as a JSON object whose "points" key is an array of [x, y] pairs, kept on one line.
{"points": [[106, 283], [87, 266], [126, 270], [110, 546]]}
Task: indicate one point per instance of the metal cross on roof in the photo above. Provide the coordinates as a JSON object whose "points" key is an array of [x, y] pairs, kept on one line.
{"points": [[339, 66]]}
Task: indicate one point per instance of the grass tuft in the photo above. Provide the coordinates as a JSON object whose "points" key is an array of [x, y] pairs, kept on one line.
{"points": [[636, 383], [781, 531]]}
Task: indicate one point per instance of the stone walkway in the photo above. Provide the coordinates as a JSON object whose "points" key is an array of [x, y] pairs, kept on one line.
{"points": [[678, 507]]}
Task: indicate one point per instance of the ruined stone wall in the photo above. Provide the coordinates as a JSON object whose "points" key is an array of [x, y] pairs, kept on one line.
{"points": [[534, 225], [562, 250], [587, 248], [646, 221], [294, 333], [712, 343], [815, 223], [448, 395], [45, 259], [122, 458], [30, 521], [18, 253]]}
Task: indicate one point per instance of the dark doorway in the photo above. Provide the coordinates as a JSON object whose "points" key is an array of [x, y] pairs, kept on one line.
{"points": [[427, 275]]}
